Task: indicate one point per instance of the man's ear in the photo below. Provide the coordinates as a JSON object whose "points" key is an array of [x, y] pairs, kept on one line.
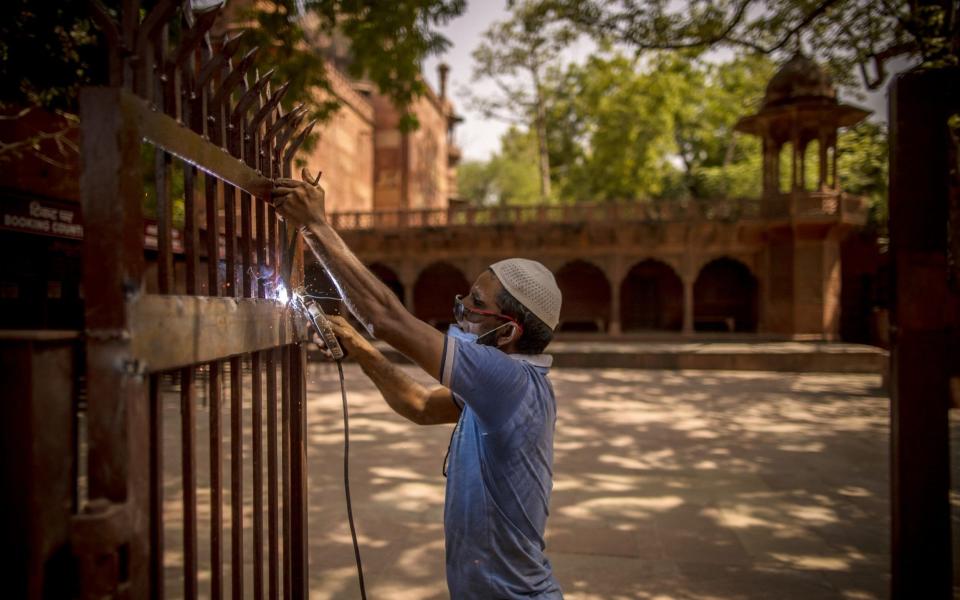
{"points": [[509, 335]]}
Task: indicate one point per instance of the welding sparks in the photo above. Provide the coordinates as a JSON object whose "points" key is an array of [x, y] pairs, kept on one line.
{"points": [[282, 294]]}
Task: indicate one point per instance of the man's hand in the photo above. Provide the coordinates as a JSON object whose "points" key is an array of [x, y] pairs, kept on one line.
{"points": [[351, 340], [298, 201]]}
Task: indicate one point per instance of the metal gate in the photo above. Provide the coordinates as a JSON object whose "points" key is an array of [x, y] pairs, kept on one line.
{"points": [[201, 111]]}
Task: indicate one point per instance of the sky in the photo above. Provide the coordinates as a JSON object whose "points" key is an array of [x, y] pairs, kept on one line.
{"points": [[478, 136]]}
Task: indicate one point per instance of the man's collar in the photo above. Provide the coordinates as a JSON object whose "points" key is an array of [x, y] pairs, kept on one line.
{"points": [[544, 361]]}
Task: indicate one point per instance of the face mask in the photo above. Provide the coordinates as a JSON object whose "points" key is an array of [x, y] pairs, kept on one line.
{"points": [[470, 338]]}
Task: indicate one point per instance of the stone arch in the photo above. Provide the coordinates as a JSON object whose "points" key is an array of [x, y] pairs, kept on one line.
{"points": [[725, 297], [651, 297], [389, 277], [586, 297], [433, 293]]}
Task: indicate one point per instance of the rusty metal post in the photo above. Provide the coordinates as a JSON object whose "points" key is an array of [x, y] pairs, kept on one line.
{"points": [[111, 189], [924, 317]]}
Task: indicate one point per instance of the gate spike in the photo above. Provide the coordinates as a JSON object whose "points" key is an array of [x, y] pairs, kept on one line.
{"points": [[154, 23], [192, 39], [288, 132], [101, 17], [251, 95], [235, 76], [269, 105], [298, 141], [282, 122], [219, 59]]}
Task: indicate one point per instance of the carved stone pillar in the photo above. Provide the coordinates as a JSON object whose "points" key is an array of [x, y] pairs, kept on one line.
{"points": [[688, 305]]}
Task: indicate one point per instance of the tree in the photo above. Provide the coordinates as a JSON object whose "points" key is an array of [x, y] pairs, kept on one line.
{"points": [[384, 42], [661, 130], [510, 177], [863, 167], [626, 129], [387, 43], [849, 35], [515, 55]]}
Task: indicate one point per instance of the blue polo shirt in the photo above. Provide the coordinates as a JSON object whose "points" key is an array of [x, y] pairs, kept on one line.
{"points": [[499, 474]]}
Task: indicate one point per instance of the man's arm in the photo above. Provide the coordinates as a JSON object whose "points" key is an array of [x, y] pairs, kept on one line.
{"points": [[406, 396], [372, 302]]}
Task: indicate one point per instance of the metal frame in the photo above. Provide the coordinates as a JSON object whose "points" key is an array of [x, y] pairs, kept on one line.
{"points": [[198, 106], [924, 326]]}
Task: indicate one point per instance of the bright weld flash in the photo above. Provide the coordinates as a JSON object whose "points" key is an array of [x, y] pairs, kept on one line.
{"points": [[282, 294]]}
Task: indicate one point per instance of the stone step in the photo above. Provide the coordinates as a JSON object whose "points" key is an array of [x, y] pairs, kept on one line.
{"points": [[798, 357]]}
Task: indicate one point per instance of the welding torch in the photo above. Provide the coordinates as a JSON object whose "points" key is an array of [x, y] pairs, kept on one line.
{"points": [[308, 305]]}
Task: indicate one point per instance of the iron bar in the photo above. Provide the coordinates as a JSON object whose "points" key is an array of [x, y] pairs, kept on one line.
{"points": [[285, 463], [230, 235], [273, 496], [246, 252], [298, 557], [216, 483], [191, 233], [257, 476], [188, 443], [261, 243], [162, 173], [236, 476], [156, 488]]}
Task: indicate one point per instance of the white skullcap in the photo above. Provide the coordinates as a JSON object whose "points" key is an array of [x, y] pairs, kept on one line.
{"points": [[533, 285]]}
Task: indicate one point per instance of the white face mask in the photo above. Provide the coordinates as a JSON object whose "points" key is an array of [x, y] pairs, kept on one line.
{"points": [[459, 334]]}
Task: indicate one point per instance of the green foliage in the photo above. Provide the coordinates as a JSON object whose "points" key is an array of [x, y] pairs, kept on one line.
{"points": [[475, 183], [863, 166], [516, 55], [148, 157], [384, 42], [510, 177], [848, 36], [622, 129], [48, 50]]}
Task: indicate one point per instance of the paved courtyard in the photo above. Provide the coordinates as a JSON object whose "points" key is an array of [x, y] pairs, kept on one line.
{"points": [[668, 484]]}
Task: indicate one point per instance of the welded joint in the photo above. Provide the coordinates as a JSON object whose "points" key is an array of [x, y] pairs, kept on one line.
{"points": [[107, 335]]}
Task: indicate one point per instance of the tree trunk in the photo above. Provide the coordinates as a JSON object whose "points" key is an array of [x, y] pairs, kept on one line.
{"points": [[541, 126]]}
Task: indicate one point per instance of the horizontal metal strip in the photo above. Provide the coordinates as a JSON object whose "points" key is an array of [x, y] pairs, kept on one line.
{"points": [[167, 332], [179, 140]]}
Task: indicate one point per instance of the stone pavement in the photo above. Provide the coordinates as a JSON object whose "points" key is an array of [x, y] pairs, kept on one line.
{"points": [[715, 485], [668, 484]]}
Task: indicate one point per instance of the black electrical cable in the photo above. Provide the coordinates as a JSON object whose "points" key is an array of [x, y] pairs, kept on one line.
{"points": [[346, 479]]}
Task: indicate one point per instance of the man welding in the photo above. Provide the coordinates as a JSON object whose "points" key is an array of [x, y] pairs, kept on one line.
{"points": [[494, 386]]}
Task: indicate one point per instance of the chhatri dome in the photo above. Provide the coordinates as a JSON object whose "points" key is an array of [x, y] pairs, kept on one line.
{"points": [[800, 79], [800, 109]]}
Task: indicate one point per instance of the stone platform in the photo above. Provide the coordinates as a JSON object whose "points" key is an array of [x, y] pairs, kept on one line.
{"points": [[709, 354]]}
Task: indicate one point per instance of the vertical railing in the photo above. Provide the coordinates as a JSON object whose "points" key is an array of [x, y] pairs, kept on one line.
{"points": [[224, 137]]}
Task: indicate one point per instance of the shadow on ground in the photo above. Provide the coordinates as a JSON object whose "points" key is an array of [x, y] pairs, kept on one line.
{"points": [[668, 484]]}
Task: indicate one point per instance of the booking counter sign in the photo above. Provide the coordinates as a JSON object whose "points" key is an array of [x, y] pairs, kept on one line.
{"points": [[42, 217]]}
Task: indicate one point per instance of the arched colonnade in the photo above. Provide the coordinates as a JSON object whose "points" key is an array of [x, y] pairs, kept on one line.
{"points": [[648, 294]]}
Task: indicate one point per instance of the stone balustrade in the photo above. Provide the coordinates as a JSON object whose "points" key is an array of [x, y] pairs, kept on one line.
{"points": [[808, 204]]}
